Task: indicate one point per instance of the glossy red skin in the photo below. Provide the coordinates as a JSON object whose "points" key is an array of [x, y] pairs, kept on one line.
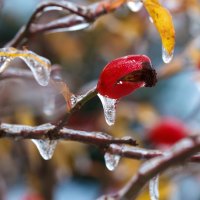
{"points": [[167, 132], [117, 69]]}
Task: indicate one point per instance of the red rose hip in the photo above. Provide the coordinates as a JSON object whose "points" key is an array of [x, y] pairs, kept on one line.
{"points": [[122, 76]]}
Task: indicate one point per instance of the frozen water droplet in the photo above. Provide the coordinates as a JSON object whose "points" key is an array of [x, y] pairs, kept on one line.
{"points": [[49, 105], [151, 19], [111, 160], [153, 188], [166, 56], [45, 147], [109, 107], [134, 5], [41, 70]]}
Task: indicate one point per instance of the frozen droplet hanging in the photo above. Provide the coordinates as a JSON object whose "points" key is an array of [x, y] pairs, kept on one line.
{"points": [[111, 160], [109, 107], [45, 147], [134, 5], [166, 56]]}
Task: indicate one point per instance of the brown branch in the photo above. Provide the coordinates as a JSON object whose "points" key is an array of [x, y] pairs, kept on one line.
{"points": [[177, 155], [79, 102], [87, 14], [42, 132]]}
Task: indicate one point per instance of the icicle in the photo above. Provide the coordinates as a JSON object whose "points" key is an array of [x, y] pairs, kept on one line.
{"points": [[153, 188], [109, 106], [111, 160], [166, 56], [45, 147], [134, 5]]}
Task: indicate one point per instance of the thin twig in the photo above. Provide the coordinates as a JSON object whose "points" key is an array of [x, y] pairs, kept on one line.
{"points": [[42, 132], [88, 14]]}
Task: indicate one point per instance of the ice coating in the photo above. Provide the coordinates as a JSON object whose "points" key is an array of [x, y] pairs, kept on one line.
{"points": [[153, 188], [134, 5], [39, 66], [166, 56], [109, 107], [111, 160], [45, 147], [4, 61], [79, 24]]}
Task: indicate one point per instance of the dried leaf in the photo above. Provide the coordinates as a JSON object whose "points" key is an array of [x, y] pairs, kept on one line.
{"points": [[112, 4], [163, 22], [65, 91]]}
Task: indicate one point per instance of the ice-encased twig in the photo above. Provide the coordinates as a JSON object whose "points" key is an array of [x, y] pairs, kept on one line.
{"points": [[39, 65]]}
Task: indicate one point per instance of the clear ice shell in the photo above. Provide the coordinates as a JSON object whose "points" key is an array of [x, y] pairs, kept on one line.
{"points": [[111, 160], [45, 147], [109, 107], [39, 66], [153, 188], [134, 5], [166, 56], [40, 72]]}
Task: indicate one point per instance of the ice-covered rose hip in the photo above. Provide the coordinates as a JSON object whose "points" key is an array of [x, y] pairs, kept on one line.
{"points": [[122, 76]]}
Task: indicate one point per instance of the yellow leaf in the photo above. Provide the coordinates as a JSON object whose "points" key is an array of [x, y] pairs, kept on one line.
{"points": [[163, 22]]}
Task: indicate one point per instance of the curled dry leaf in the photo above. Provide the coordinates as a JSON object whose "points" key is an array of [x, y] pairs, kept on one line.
{"points": [[163, 22]]}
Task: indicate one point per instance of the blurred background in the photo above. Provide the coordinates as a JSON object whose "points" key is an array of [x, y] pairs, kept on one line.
{"points": [[156, 117]]}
